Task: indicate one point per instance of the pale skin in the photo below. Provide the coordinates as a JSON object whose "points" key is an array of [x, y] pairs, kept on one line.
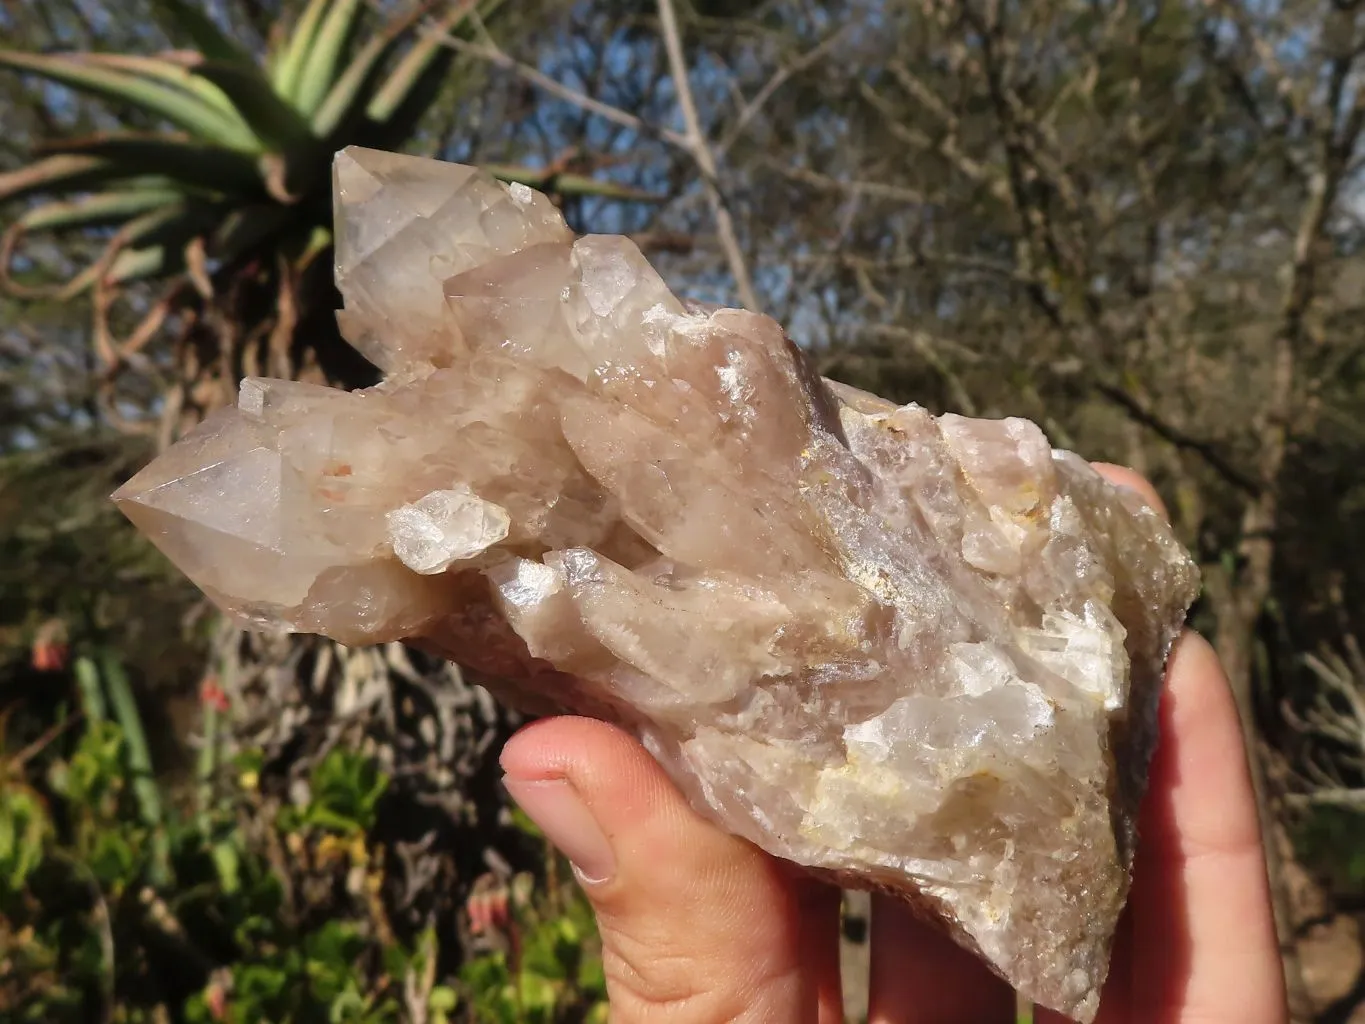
{"points": [[699, 926]]}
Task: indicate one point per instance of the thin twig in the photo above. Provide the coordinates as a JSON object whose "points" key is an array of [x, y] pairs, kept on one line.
{"points": [[1174, 436], [38, 745], [825, 183], [705, 159], [493, 55], [753, 106], [1350, 798]]}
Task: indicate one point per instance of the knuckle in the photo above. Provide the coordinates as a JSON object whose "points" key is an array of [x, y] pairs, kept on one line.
{"points": [[647, 981]]}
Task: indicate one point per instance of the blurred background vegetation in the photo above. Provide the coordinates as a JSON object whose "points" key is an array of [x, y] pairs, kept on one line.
{"points": [[1137, 222]]}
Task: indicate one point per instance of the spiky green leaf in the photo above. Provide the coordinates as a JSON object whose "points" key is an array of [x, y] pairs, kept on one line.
{"points": [[202, 30], [318, 240], [148, 228], [408, 92], [287, 71], [171, 69], [181, 108], [353, 90], [426, 53], [144, 264], [198, 166], [67, 171], [319, 71], [97, 210], [273, 121], [159, 251]]}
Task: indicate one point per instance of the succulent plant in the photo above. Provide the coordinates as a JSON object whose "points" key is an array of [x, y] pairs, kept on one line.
{"points": [[225, 206]]}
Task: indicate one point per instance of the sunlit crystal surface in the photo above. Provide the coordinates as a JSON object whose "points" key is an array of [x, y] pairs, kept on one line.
{"points": [[910, 652]]}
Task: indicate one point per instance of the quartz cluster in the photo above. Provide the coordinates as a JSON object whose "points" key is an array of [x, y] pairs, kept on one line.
{"points": [[915, 653]]}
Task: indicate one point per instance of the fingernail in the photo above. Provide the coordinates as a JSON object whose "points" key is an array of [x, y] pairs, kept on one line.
{"points": [[558, 811]]}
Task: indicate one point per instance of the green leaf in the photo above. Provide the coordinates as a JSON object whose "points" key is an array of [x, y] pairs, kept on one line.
{"points": [[429, 51], [135, 739], [180, 108], [171, 72], [121, 261], [346, 788], [96, 210], [51, 172], [227, 862], [351, 93], [398, 960], [92, 692], [95, 770], [443, 999], [199, 166], [592, 976], [212, 41], [272, 120], [319, 70], [114, 858], [538, 996], [24, 828], [314, 244], [289, 69], [330, 821], [142, 264]]}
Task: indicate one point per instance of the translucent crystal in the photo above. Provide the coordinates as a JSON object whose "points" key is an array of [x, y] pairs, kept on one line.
{"points": [[909, 652], [445, 527]]}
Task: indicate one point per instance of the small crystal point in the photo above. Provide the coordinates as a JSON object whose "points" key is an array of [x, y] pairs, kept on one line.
{"points": [[909, 652], [386, 203], [444, 527]]}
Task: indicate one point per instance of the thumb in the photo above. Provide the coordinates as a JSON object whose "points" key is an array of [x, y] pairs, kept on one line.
{"points": [[696, 924]]}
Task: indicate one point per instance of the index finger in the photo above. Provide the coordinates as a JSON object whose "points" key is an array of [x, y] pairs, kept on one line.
{"points": [[1200, 942], [1203, 941]]}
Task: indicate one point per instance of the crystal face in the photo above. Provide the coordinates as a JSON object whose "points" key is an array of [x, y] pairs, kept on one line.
{"points": [[909, 652]]}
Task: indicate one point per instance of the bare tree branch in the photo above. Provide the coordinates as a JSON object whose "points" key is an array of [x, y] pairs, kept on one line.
{"points": [[1169, 433], [701, 152], [779, 77], [489, 52]]}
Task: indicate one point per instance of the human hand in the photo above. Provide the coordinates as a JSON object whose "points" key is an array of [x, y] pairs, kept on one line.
{"points": [[700, 926]]}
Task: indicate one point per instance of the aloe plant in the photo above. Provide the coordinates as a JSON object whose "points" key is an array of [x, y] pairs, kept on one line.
{"points": [[229, 202]]}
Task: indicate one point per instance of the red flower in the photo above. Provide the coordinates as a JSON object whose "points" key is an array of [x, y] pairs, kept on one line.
{"points": [[49, 657], [487, 905], [212, 695], [49, 646], [216, 993]]}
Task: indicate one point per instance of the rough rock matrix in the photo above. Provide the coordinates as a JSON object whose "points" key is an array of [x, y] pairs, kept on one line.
{"points": [[910, 652]]}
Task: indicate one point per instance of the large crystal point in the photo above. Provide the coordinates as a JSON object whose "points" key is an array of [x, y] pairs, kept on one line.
{"points": [[909, 652]]}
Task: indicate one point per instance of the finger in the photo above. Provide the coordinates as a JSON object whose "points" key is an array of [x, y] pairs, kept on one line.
{"points": [[920, 976], [696, 925], [1131, 480], [1199, 916], [1204, 934], [1203, 941], [1200, 861]]}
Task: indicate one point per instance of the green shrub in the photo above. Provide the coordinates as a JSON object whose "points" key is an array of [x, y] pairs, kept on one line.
{"points": [[115, 902]]}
